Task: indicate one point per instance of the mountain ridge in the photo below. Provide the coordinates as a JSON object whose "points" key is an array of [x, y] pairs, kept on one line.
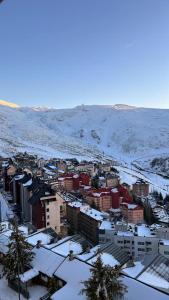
{"points": [[85, 131], [117, 106]]}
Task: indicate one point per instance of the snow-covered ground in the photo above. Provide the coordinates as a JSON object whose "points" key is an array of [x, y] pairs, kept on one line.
{"points": [[126, 134], [156, 182], [123, 132]]}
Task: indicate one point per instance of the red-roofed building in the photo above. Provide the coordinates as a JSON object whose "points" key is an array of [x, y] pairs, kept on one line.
{"points": [[101, 198], [72, 181]]}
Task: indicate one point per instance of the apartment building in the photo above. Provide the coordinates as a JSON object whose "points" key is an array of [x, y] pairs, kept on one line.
{"points": [[101, 198], [135, 240], [89, 223], [45, 207], [132, 213], [84, 219], [141, 188]]}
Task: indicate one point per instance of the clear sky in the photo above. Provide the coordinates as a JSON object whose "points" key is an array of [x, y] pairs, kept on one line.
{"points": [[64, 53]]}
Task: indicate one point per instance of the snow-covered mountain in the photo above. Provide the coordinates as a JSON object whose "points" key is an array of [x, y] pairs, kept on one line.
{"points": [[124, 132]]}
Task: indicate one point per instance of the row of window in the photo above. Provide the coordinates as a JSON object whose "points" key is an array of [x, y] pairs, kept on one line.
{"points": [[128, 242]]}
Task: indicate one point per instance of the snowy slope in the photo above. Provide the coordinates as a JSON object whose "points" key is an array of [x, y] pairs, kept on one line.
{"points": [[120, 131]]}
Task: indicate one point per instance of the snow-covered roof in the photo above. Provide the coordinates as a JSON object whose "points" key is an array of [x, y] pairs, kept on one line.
{"points": [[39, 236], [88, 255], [61, 178], [29, 182], [131, 206], [106, 258], [135, 270], [105, 225], [139, 291], [50, 246], [46, 261], [143, 230], [76, 176], [93, 213], [81, 272], [73, 272], [18, 177], [76, 204], [115, 190], [66, 247], [25, 277], [165, 242], [23, 229], [154, 279], [87, 187]]}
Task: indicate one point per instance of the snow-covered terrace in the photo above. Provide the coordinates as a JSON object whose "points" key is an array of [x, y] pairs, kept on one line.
{"points": [[39, 236], [93, 213], [65, 248], [141, 230]]}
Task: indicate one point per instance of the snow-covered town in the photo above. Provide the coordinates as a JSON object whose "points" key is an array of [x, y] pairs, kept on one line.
{"points": [[70, 213], [84, 150]]}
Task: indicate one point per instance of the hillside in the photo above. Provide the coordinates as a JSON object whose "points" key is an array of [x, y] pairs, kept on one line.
{"points": [[120, 131]]}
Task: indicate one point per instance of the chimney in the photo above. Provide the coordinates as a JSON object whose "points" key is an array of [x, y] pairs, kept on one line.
{"points": [[39, 244], [71, 257]]}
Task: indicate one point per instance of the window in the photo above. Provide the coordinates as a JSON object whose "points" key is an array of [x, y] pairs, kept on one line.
{"points": [[166, 252], [48, 223], [47, 209], [48, 217], [140, 243], [148, 243], [149, 249], [141, 250]]}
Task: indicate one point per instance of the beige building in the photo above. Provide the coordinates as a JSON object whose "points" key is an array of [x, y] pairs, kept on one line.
{"points": [[132, 213], [102, 201], [112, 181], [52, 212]]}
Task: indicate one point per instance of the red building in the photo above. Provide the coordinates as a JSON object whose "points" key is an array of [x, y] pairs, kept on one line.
{"points": [[116, 198], [72, 181], [119, 195], [125, 194]]}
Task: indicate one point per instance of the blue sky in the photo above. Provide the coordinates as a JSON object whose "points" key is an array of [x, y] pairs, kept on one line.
{"points": [[64, 53]]}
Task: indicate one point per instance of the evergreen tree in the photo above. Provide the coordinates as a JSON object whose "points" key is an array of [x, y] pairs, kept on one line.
{"points": [[104, 283], [95, 182], [166, 199], [19, 254]]}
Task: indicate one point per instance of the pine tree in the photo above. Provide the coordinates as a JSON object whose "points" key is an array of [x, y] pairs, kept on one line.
{"points": [[95, 182], [166, 199], [104, 283], [19, 254]]}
